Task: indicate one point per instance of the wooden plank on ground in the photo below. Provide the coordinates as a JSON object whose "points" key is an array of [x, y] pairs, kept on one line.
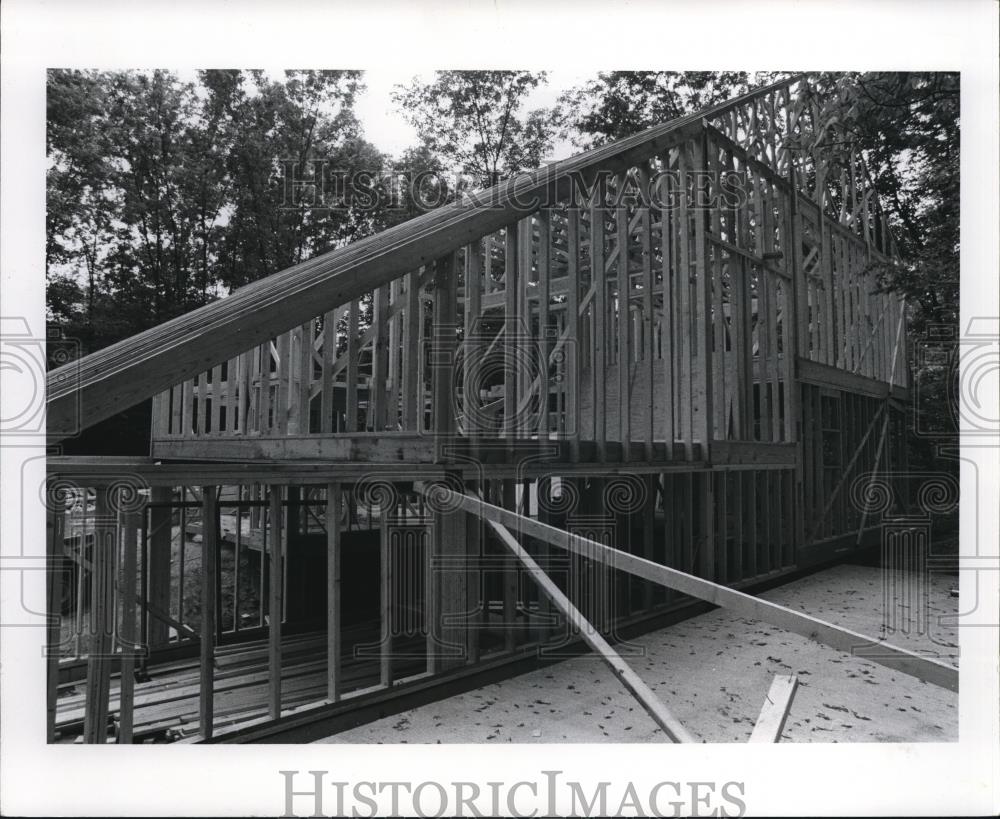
{"points": [[772, 717]]}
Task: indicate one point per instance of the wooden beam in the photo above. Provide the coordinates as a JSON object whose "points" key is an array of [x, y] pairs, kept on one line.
{"points": [[282, 408], [412, 389], [101, 620], [624, 356], [745, 605], [572, 332], [823, 375], [442, 353], [351, 410], [370, 447], [772, 717], [472, 340], [275, 602], [385, 607], [599, 340], [209, 565], [56, 532], [450, 551], [511, 331], [333, 619], [667, 722], [160, 536], [127, 636], [377, 410], [232, 473], [544, 295], [329, 354], [304, 334], [702, 359]]}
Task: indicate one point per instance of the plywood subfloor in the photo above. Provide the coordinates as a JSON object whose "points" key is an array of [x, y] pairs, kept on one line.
{"points": [[713, 672]]}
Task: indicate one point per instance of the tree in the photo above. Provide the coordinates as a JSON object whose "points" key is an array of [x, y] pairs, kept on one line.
{"points": [[284, 135], [472, 122], [163, 194], [617, 104], [905, 126], [80, 197]]}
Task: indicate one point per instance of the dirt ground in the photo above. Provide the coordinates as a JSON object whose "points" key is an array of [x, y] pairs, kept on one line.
{"points": [[713, 671]]}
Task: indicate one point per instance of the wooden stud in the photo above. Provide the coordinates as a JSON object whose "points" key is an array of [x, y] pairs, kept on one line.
{"points": [[472, 341], [648, 349], [573, 359], [305, 374], [444, 345], [326, 425], [511, 331], [598, 364], [510, 584], [624, 356], [56, 538], [668, 315], [284, 383], [412, 389], [209, 567], [544, 252], [275, 600], [353, 354], [101, 619], [474, 582], [386, 585], [685, 326], [377, 409], [333, 591]]}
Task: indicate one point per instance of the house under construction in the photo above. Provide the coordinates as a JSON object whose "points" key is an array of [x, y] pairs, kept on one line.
{"points": [[651, 374]]}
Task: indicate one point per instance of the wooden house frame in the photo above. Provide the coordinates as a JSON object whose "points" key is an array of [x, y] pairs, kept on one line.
{"points": [[649, 374]]}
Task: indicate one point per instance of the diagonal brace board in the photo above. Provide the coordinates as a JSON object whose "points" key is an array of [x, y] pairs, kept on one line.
{"points": [[632, 681], [771, 721], [852, 642]]}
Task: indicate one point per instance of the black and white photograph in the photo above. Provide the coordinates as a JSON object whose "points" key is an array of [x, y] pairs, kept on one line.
{"points": [[463, 427]]}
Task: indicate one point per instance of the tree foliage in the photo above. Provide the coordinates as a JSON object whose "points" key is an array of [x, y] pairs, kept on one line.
{"points": [[473, 123], [905, 126], [165, 193], [617, 104]]}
